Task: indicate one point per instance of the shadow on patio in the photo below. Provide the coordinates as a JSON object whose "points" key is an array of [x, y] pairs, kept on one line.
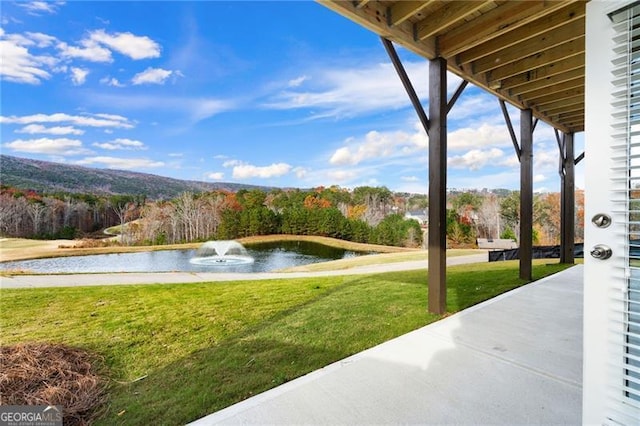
{"points": [[515, 359]]}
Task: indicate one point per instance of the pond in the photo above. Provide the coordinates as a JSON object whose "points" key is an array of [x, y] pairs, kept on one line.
{"points": [[267, 257]]}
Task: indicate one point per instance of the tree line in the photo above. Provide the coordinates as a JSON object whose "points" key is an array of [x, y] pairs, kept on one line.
{"points": [[364, 214]]}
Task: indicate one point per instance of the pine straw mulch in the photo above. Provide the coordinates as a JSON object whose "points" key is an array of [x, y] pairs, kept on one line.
{"points": [[53, 374]]}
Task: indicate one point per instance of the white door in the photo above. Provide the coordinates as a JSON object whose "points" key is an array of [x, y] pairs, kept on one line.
{"points": [[612, 172]]}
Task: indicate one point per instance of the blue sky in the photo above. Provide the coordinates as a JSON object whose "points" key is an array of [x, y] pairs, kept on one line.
{"points": [[286, 94]]}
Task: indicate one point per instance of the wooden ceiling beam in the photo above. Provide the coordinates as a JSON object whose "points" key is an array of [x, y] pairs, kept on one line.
{"points": [[562, 103], [549, 111], [545, 72], [373, 16], [491, 29], [569, 115], [565, 50], [492, 24], [445, 17], [537, 85], [556, 88], [526, 48], [570, 13], [551, 97], [403, 10]]}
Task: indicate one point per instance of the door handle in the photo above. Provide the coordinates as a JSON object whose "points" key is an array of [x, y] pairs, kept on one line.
{"points": [[601, 252]]}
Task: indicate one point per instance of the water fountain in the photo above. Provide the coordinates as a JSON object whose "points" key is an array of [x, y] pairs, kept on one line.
{"points": [[221, 253]]}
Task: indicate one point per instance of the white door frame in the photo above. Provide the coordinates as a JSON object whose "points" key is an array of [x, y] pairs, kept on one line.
{"points": [[604, 279]]}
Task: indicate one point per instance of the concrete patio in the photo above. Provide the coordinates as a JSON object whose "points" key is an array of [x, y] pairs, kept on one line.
{"points": [[515, 359]]}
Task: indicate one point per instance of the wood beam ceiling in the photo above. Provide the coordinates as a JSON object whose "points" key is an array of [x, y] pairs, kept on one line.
{"points": [[527, 52]]}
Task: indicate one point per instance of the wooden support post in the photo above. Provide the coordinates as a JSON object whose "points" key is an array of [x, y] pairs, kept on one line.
{"points": [[437, 185], [567, 203], [526, 193]]}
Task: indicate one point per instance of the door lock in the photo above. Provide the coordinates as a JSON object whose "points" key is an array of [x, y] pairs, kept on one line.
{"points": [[601, 220], [601, 252]]}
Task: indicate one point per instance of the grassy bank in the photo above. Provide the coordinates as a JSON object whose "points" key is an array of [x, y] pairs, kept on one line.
{"points": [[377, 259], [202, 347]]}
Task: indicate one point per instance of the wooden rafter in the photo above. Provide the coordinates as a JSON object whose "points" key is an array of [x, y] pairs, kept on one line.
{"points": [[446, 17], [499, 21], [552, 97], [547, 57], [545, 72], [529, 47], [545, 24], [529, 53], [537, 85], [402, 11]]}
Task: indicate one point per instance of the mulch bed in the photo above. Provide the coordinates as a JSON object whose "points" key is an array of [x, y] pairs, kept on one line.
{"points": [[53, 374]]}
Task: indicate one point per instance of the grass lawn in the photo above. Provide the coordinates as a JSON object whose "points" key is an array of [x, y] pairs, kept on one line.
{"points": [[205, 346], [378, 259]]}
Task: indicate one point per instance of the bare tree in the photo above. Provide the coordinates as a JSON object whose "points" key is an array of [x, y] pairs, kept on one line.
{"points": [[489, 217], [36, 211]]}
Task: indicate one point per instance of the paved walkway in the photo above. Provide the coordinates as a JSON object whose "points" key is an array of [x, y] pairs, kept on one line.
{"points": [[72, 280], [513, 360]]}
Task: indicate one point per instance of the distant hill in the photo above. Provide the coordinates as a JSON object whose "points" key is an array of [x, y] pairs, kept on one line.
{"points": [[49, 177]]}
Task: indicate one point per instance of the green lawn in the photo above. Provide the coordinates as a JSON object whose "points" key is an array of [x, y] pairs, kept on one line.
{"points": [[378, 259], [205, 346]]}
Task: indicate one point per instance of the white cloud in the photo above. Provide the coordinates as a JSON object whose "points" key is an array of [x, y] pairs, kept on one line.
{"points": [[539, 178], [39, 7], [121, 163], [476, 159], [57, 130], [215, 176], [19, 39], [483, 136], [89, 51], [377, 145], [410, 179], [79, 75], [205, 108], [97, 120], [348, 92], [196, 109], [121, 144], [301, 172], [151, 76], [111, 81], [352, 91], [60, 146], [133, 46], [246, 171], [18, 65], [231, 163], [342, 175], [503, 179], [296, 82], [41, 40], [176, 154], [545, 159]]}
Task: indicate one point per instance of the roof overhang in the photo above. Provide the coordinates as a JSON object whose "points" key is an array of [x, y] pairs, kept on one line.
{"points": [[529, 53]]}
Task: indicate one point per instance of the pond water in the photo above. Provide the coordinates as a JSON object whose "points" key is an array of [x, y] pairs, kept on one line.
{"points": [[267, 257]]}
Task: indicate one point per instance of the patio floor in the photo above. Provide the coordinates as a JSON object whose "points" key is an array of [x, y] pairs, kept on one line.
{"points": [[515, 359]]}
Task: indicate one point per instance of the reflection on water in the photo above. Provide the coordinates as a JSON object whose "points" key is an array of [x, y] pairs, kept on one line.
{"points": [[268, 257]]}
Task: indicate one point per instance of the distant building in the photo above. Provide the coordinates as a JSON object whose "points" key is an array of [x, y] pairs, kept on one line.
{"points": [[496, 243], [419, 215]]}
